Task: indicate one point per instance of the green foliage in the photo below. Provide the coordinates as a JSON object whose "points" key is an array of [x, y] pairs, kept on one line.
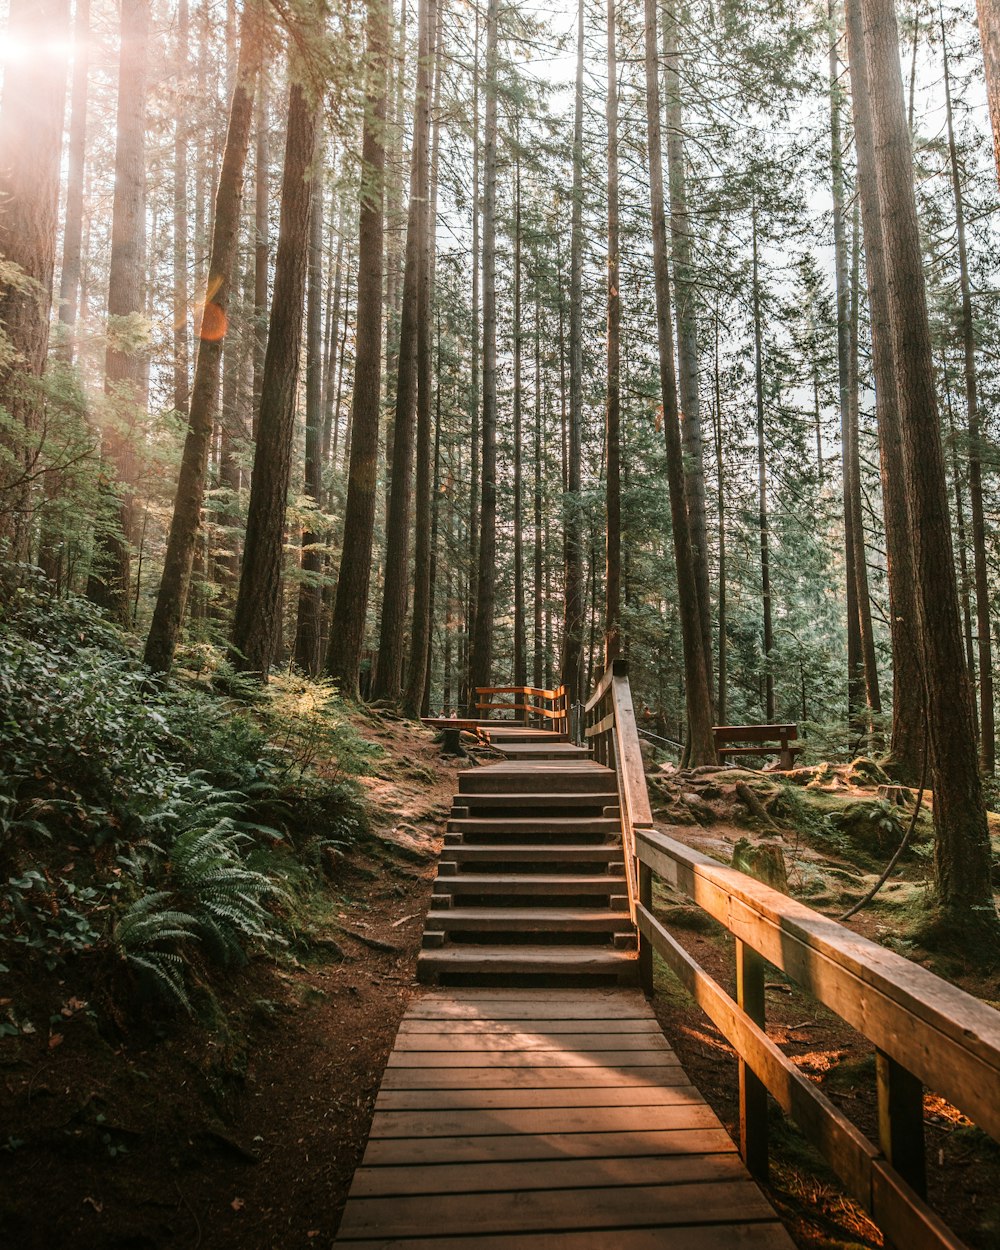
{"points": [[155, 823]]}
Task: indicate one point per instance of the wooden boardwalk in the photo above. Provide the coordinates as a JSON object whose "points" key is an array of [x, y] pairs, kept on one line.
{"points": [[526, 1119]]}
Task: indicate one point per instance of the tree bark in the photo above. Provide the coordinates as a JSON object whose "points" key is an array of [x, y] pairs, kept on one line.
{"points": [[125, 375], [701, 745], [307, 630], [987, 723], [420, 631], [612, 421], [538, 668], [351, 605], [573, 601], [962, 850], [762, 518], [721, 706], [855, 659], [481, 662], [467, 696], [520, 639], [692, 438], [69, 279], [988, 12], [262, 244], [175, 584], [906, 749], [256, 628], [389, 664], [180, 220], [31, 122]]}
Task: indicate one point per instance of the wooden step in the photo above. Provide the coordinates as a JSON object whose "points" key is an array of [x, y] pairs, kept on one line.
{"points": [[521, 733], [609, 825], [539, 777], [529, 920], [519, 960], [518, 852], [587, 799], [534, 883], [543, 751]]}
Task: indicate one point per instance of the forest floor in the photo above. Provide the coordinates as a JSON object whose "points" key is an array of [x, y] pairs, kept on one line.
{"points": [[247, 1132]]}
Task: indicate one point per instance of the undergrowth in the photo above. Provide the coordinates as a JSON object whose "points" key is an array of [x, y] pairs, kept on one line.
{"points": [[160, 831]]}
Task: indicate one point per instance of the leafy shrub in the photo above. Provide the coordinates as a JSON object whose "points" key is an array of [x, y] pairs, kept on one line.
{"points": [[176, 804]]}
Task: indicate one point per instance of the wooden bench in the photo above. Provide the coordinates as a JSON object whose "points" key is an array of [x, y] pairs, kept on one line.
{"points": [[766, 740]]}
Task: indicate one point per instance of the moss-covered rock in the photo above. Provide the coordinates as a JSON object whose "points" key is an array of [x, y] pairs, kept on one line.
{"points": [[874, 827], [763, 860], [865, 772]]}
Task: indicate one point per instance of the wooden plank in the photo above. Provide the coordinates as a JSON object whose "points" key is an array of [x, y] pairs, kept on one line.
{"points": [[424, 1025], [545, 1007], [396, 1151], [532, 1120], [452, 1215], [666, 1070], [525, 1059], [763, 1236], [557, 1043], [944, 1036], [659, 1095], [445, 1178]]}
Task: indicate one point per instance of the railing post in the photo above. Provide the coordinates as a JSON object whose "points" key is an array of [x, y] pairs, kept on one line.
{"points": [[901, 1121], [645, 946], [753, 1093]]}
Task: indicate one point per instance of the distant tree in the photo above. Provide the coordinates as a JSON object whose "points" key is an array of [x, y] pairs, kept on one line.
{"points": [[31, 122], [256, 630]]}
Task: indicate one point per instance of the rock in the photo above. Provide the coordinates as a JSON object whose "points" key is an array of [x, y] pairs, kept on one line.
{"points": [[865, 772], [763, 860], [648, 753], [702, 812], [710, 792]]}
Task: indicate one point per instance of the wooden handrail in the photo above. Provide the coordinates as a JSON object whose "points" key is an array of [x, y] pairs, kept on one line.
{"points": [[926, 1031], [611, 730], [550, 705]]}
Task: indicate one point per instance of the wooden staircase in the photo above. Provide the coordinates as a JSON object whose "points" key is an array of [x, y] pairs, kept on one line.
{"points": [[531, 884]]}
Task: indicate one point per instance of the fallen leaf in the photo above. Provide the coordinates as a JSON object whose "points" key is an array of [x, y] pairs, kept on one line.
{"points": [[97, 1206], [237, 1204]]}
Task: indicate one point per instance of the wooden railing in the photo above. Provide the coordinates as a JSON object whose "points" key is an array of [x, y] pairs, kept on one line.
{"points": [[610, 729], [926, 1031], [550, 707]]}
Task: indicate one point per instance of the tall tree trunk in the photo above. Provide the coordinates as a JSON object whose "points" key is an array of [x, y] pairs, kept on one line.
{"points": [[389, 664], [538, 648], [467, 697], [612, 420], [481, 662], [963, 563], [987, 724], [180, 221], [256, 631], [852, 485], [989, 33], [762, 518], [307, 630], [907, 681], [855, 659], [262, 244], [347, 632], [31, 123], [125, 376], [687, 326], [701, 745], [520, 639], [420, 632], [69, 278], [573, 603], [962, 850], [721, 707], [175, 584]]}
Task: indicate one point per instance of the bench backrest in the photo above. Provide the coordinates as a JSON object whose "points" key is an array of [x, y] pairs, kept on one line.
{"points": [[754, 733]]}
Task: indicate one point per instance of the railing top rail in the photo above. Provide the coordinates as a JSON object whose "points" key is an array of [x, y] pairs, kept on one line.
{"points": [[944, 1036], [532, 690], [617, 668]]}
